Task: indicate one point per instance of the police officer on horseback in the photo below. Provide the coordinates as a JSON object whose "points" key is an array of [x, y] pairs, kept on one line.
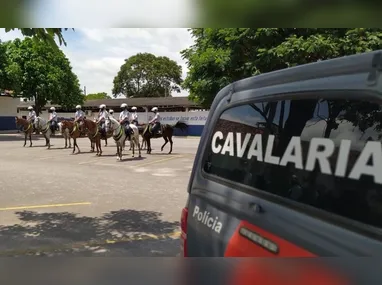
{"points": [[53, 124], [103, 116], [155, 122], [79, 116], [32, 117], [134, 116], [124, 117], [111, 113]]}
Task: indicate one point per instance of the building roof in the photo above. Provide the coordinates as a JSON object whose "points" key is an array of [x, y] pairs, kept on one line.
{"points": [[138, 102]]}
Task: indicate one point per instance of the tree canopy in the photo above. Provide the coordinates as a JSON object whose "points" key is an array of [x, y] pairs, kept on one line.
{"points": [[97, 96], [147, 75], [41, 72], [46, 35], [222, 56]]}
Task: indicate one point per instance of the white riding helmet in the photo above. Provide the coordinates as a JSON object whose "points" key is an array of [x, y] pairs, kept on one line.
{"points": [[123, 105], [111, 111], [102, 106], [30, 108], [52, 109], [134, 108], [155, 109], [78, 107]]}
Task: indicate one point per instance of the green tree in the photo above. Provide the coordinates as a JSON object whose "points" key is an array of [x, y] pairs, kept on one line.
{"points": [[97, 96], [46, 35], [222, 56], [147, 75], [41, 72]]}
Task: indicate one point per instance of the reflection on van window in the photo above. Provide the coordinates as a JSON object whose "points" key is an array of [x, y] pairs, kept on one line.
{"points": [[324, 153]]}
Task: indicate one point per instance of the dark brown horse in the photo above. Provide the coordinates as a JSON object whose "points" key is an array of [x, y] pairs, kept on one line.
{"points": [[166, 133], [94, 134], [27, 129]]}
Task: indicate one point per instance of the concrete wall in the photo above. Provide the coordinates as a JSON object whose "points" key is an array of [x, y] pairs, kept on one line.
{"points": [[194, 119], [8, 111]]}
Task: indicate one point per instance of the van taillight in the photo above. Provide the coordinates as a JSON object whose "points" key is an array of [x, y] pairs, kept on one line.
{"points": [[183, 228]]}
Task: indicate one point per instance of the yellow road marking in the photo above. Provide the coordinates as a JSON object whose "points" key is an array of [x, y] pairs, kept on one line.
{"points": [[157, 161], [44, 206], [48, 249]]}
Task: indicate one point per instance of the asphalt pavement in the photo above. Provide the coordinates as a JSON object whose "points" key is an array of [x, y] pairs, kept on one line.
{"points": [[56, 203]]}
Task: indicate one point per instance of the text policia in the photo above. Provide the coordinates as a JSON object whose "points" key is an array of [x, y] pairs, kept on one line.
{"points": [[320, 150]]}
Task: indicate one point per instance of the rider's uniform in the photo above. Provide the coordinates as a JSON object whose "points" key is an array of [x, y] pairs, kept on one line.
{"points": [[103, 116], [134, 118], [31, 116], [156, 122], [124, 115], [53, 120], [79, 115]]}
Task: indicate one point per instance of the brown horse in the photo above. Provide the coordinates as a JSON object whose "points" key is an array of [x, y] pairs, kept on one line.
{"points": [[27, 129], [166, 132], [74, 133], [109, 134], [94, 134]]}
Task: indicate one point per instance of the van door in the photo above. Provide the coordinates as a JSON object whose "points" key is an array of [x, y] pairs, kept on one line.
{"points": [[291, 175]]}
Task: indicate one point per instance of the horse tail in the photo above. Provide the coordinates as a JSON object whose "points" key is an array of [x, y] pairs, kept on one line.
{"points": [[180, 125], [145, 130]]}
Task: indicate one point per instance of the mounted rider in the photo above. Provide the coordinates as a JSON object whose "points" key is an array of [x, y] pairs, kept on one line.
{"points": [[111, 113], [155, 122], [103, 117], [134, 116], [124, 117], [79, 117], [53, 123], [32, 117]]}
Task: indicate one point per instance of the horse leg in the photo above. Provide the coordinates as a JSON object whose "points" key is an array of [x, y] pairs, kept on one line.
{"points": [[70, 143], [48, 140], [99, 145], [66, 141], [132, 145], [165, 142], [139, 147], [170, 139], [148, 146], [105, 141], [30, 139], [25, 140], [74, 145]]}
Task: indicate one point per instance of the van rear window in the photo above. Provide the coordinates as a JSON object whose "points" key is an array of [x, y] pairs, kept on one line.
{"points": [[323, 153]]}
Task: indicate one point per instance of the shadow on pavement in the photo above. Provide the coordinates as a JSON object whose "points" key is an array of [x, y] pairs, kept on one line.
{"points": [[117, 233]]}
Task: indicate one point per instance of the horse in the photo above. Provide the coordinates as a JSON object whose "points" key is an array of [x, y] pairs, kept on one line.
{"points": [[109, 134], [44, 127], [65, 133], [74, 133], [94, 135], [120, 136], [166, 132], [141, 128], [27, 129]]}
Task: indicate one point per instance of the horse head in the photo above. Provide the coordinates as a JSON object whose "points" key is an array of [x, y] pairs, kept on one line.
{"points": [[112, 123]]}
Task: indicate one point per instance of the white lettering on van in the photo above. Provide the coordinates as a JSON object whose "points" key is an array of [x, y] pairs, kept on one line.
{"points": [[204, 218], [216, 148], [320, 151]]}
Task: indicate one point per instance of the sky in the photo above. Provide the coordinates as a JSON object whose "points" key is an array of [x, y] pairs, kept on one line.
{"points": [[96, 55]]}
